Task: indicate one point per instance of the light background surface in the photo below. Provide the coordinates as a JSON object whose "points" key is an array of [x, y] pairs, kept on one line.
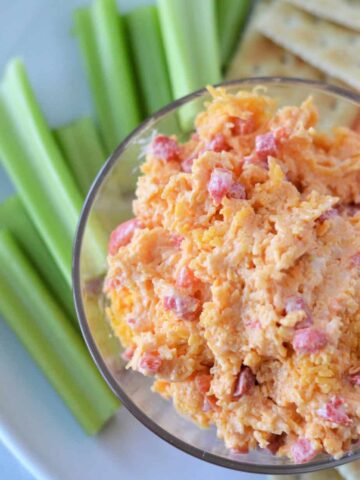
{"points": [[40, 438]]}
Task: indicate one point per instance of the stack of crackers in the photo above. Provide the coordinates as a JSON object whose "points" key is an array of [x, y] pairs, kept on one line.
{"points": [[312, 39]]}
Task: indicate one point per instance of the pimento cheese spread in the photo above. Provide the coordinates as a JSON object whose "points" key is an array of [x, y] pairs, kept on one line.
{"points": [[237, 283]]}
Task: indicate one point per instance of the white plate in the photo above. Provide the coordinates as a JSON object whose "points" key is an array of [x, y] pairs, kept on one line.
{"points": [[34, 424]]}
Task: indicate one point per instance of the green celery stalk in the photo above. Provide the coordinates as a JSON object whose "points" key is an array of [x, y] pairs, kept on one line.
{"points": [[39, 172], [143, 29], [36, 166], [191, 45], [107, 62], [13, 216], [231, 15], [83, 150], [39, 322]]}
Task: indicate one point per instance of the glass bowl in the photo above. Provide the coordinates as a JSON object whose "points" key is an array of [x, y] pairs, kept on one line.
{"points": [[108, 203]]}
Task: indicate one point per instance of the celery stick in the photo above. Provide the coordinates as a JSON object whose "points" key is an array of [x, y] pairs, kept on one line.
{"points": [[13, 216], [83, 150], [36, 166], [191, 46], [143, 29], [103, 45], [231, 15], [38, 170], [37, 319]]}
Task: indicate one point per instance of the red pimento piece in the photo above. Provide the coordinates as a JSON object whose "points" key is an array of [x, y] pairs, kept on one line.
{"points": [[281, 134], [149, 363], [242, 126], [296, 303], [165, 148], [185, 278], [218, 144], [220, 183], [245, 383], [355, 260], [122, 235], [237, 190], [265, 145], [209, 403], [176, 239], [334, 412], [309, 340], [186, 165], [128, 353], [184, 306], [203, 382], [355, 379], [302, 451], [253, 159]]}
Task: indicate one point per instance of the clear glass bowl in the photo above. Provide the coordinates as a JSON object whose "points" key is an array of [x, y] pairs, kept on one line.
{"points": [[107, 205]]}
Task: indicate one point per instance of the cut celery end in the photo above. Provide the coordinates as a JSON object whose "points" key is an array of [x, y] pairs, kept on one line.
{"points": [[103, 45], [58, 349], [82, 147]]}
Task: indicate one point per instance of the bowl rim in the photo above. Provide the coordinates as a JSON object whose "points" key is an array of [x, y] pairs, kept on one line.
{"points": [[94, 351]]}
